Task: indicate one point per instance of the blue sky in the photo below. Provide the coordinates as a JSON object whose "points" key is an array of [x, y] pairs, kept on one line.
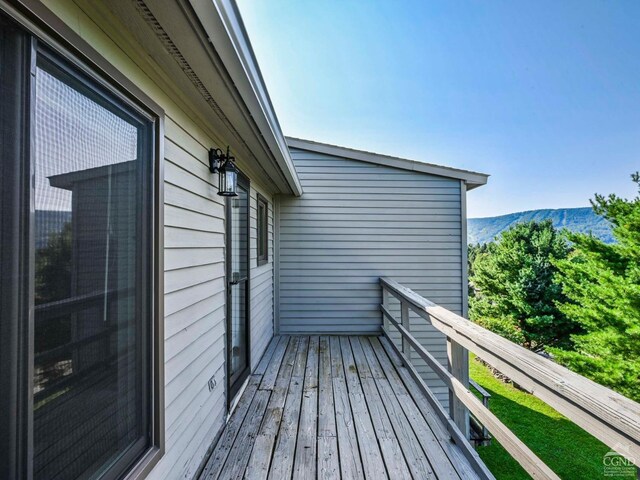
{"points": [[542, 95]]}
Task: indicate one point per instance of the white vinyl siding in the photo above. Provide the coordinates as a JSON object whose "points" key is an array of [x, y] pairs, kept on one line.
{"points": [[261, 283], [194, 304], [355, 223], [195, 314]]}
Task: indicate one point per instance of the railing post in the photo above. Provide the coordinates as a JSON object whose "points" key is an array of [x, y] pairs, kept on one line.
{"points": [[404, 316], [459, 368], [385, 304]]}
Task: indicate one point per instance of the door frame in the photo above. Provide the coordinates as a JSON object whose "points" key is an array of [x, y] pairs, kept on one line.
{"points": [[236, 385]]}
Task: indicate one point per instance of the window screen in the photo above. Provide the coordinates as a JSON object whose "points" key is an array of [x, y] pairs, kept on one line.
{"points": [[91, 407]]}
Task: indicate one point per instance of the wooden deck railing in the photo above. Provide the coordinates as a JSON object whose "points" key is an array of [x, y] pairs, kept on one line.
{"points": [[607, 415]]}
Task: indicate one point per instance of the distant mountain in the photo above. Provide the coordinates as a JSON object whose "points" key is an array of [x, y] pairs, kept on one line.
{"points": [[582, 220]]}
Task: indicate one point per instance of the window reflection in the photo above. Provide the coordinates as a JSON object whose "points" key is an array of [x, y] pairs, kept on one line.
{"points": [[88, 386]]}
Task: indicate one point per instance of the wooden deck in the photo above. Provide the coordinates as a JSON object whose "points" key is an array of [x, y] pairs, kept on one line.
{"points": [[334, 407]]}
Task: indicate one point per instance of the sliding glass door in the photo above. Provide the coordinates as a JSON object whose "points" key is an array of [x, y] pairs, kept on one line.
{"points": [[76, 176], [89, 393]]}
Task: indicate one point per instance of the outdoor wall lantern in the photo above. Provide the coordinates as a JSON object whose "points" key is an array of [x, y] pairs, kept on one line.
{"points": [[227, 172]]}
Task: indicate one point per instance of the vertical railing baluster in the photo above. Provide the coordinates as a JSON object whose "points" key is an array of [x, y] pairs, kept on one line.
{"points": [[459, 368], [385, 303], [404, 316]]}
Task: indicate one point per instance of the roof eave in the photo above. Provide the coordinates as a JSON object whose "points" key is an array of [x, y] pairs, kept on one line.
{"points": [[471, 179], [234, 48]]}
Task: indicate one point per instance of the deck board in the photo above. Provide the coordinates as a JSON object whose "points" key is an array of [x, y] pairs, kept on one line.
{"points": [[369, 449], [305, 462], [328, 459], [463, 467], [333, 407], [260, 460], [227, 439], [426, 438], [348, 451], [394, 460]]}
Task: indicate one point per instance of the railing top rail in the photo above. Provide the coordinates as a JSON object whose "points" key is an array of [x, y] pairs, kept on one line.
{"points": [[606, 414]]}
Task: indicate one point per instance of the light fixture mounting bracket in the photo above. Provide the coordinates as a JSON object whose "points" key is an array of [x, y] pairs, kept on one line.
{"points": [[218, 159]]}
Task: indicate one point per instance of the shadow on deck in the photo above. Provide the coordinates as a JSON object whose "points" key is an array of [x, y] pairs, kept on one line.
{"points": [[334, 407]]}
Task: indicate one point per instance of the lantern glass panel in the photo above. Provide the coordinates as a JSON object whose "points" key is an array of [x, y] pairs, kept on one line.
{"points": [[228, 180]]}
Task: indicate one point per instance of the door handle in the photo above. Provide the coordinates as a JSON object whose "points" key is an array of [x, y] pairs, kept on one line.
{"points": [[236, 279]]}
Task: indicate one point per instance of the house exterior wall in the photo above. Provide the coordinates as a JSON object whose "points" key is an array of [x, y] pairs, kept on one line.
{"points": [[194, 253], [355, 223]]}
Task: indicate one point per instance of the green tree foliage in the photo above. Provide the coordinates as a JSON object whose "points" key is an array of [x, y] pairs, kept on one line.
{"points": [[474, 251], [53, 267], [601, 283], [53, 283], [514, 293]]}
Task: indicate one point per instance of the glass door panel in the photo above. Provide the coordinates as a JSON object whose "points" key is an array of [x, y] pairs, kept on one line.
{"points": [[89, 394], [238, 287]]}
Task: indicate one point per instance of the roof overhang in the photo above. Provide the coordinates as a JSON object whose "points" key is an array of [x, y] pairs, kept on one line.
{"points": [[225, 29], [199, 53], [471, 179]]}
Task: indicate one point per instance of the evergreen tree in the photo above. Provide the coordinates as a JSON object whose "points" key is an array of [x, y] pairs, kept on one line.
{"points": [[602, 285], [514, 293]]}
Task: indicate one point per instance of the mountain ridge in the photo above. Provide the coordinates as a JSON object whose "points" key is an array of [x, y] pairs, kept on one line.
{"points": [[579, 220]]}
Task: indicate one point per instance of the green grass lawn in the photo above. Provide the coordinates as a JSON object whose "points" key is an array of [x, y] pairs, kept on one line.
{"points": [[567, 449]]}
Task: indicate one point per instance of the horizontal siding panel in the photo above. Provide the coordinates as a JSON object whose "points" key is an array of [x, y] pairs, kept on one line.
{"points": [[178, 196], [330, 251], [396, 229], [397, 258], [184, 318], [345, 184], [184, 218], [303, 223], [379, 202], [182, 237], [388, 236], [384, 208], [390, 174], [179, 134], [354, 322], [444, 188], [374, 244], [189, 403], [175, 280], [363, 277], [373, 215], [369, 266], [176, 301], [184, 407], [199, 361], [182, 348], [177, 258], [178, 176], [192, 175]]}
